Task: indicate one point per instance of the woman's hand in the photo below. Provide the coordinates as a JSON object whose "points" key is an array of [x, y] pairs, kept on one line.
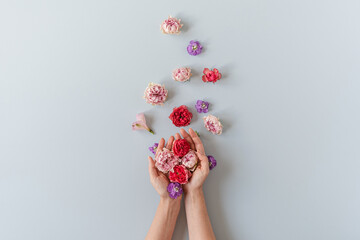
{"points": [[167, 212], [158, 179], [202, 170], [199, 224]]}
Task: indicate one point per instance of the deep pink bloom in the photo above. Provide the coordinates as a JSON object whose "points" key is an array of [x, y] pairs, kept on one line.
{"points": [[211, 75], [180, 147], [181, 116], [180, 174]]}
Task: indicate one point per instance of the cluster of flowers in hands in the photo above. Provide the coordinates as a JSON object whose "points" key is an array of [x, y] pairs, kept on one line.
{"points": [[181, 163]]}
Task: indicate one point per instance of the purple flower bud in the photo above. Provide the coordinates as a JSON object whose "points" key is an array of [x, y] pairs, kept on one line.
{"points": [[175, 190], [212, 162], [194, 48], [202, 106], [153, 148]]}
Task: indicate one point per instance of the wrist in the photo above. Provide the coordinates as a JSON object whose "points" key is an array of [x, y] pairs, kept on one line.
{"points": [[168, 202], [194, 193], [193, 199]]}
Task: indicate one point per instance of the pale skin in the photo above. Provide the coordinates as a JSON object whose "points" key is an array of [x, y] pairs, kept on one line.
{"points": [[198, 220]]}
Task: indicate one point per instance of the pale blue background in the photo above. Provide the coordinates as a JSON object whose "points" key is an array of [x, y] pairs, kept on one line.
{"points": [[72, 76]]}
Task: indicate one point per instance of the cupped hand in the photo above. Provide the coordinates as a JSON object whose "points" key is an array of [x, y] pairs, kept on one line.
{"points": [[202, 170], [158, 179]]}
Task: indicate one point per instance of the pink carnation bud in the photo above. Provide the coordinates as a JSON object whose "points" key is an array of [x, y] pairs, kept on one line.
{"points": [[213, 124], [190, 159], [171, 26], [165, 160], [155, 94], [181, 74]]}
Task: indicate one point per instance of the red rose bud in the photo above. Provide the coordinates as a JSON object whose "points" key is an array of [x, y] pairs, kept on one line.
{"points": [[181, 116], [180, 174], [180, 147]]}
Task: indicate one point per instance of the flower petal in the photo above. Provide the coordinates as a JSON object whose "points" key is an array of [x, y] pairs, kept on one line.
{"points": [[206, 70], [138, 126], [140, 117], [140, 123]]}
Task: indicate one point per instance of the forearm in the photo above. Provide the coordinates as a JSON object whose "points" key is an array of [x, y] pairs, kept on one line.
{"points": [[164, 221], [199, 224]]}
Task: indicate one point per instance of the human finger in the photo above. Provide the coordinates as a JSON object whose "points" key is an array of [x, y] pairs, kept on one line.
{"points": [[188, 138], [204, 161], [177, 136], [170, 143], [198, 144], [161, 145], [152, 170]]}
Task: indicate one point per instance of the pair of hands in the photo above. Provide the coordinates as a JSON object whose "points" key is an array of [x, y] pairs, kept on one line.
{"points": [[160, 181]]}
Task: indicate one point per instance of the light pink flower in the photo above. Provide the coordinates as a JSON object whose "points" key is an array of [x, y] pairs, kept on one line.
{"points": [[213, 124], [140, 123], [181, 74], [190, 160], [155, 94], [171, 26], [165, 160]]}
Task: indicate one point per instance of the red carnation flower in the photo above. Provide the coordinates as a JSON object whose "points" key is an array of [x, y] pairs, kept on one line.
{"points": [[180, 147], [180, 174], [181, 116], [211, 75]]}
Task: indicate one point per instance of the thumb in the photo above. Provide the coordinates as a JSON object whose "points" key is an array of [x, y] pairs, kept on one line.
{"points": [[204, 161], [152, 170]]}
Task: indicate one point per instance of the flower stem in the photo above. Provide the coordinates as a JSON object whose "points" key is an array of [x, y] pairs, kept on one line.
{"points": [[151, 131]]}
